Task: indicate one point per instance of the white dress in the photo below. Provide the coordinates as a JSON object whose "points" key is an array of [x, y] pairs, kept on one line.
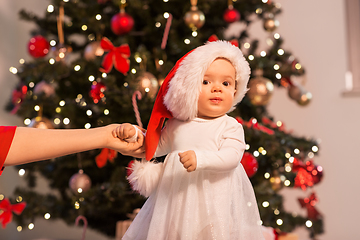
{"points": [[216, 201]]}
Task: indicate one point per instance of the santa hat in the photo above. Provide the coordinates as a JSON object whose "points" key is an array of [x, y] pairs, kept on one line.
{"points": [[178, 96]]}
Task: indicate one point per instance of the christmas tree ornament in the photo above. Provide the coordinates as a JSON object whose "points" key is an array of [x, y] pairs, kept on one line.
{"points": [[231, 14], [41, 122], [309, 203], [44, 87], [80, 217], [6, 210], [60, 52], [194, 18], [260, 89], [122, 22], [298, 93], [38, 46], [270, 23], [80, 182], [250, 164], [147, 84], [137, 95], [97, 91], [116, 56], [93, 50], [105, 155]]}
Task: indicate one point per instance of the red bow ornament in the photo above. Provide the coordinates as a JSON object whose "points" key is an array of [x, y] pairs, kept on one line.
{"points": [[7, 209], [309, 204], [105, 155], [307, 175], [214, 38], [116, 56]]}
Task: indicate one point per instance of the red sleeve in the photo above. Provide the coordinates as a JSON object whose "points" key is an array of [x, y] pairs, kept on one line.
{"points": [[6, 137]]}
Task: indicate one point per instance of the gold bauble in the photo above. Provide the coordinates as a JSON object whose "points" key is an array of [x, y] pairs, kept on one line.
{"points": [[271, 24], [41, 122], [260, 90], [276, 183], [93, 50], [148, 84], [194, 18]]}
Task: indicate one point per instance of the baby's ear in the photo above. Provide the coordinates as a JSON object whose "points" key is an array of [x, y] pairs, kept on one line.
{"points": [[234, 92]]}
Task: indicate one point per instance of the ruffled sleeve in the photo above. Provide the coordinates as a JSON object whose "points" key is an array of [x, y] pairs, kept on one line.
{"points": [[6, 137]]}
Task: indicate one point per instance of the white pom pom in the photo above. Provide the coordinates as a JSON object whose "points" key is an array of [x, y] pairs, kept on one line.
{"points": [[145, 176]]}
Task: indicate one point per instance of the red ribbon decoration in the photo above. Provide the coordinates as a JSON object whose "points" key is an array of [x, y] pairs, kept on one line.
{"points": [[116, 56], [7, 208], [18, 96], [105, 155], [309, 204], [214, 38], [255, 125]]}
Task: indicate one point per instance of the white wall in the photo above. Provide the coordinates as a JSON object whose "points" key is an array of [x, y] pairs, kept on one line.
{"points": [[315, 32]]}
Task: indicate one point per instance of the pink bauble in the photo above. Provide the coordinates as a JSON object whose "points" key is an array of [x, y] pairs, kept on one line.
{"points": [[38, 46], [80, 182], [121, 23]]}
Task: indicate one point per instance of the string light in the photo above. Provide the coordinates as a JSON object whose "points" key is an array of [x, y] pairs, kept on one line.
{"points": [[157, 24], [50, 8], [287, 183], [187, 41], [57, 121], [256, 153], [77, 205], [267, 175], [279, 222], [308, 223], [52, 43], [251, 57], [276, 67], [91, 78], [31, 226], [265, 204], [13, 70], [87, 125], [66, 121], [2, 196], [161, 62], [19, 228], [291, 159], [288, 167], [296, 151], [276, 212], [281, 52], [27, 121], [315, 148], [37, 108], [84, 27], [166, 15], [58, 110], [104, 75], [311, 154], [98, 17], [51, 61], [258, 11], [247, 45], [287, 155], [21, 61], [263, 53], [126, 84], [133, 71], [194, 33], [62, 103], [31, 84], [77, 67], [247, 147], [278, 76], [106, 112], [21, 172], [47, 216], [276, 35], [279, 123]]}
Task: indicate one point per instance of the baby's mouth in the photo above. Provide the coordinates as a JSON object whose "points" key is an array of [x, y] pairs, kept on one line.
{"points": [[215, 100]]}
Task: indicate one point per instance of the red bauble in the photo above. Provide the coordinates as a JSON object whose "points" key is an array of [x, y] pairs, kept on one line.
{"points": [[97, 91], [121, 23], [231, 15], [250, 164], [38, 46]]}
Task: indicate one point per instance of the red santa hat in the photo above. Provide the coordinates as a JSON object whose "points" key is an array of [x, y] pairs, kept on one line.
{"points": [[178, 95]]}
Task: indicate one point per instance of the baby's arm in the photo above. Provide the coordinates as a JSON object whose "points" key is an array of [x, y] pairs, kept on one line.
{"points": [[188, 159]]}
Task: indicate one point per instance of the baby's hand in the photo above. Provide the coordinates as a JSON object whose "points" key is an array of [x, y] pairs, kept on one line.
{"points": [[188, 159], [126, 132]]}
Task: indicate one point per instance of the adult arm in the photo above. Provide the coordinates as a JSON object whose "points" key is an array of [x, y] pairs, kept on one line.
{"points": [[31, 144]]}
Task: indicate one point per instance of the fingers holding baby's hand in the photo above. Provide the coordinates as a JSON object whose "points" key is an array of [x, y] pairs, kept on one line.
{"points": [[188, 160]]}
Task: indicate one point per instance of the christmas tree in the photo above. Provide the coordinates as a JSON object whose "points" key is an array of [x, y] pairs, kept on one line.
{"points": [[90, 60]]}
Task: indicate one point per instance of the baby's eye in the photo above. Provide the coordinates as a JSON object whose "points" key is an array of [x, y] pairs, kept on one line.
{"points": [[226, 83], [205, 82]]}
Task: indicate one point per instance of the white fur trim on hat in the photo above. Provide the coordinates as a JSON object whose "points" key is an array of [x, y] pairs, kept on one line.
{"points": [[184, 88]]}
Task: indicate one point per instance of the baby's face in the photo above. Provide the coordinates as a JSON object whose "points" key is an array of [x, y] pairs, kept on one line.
{"points": [[218, 90]]}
